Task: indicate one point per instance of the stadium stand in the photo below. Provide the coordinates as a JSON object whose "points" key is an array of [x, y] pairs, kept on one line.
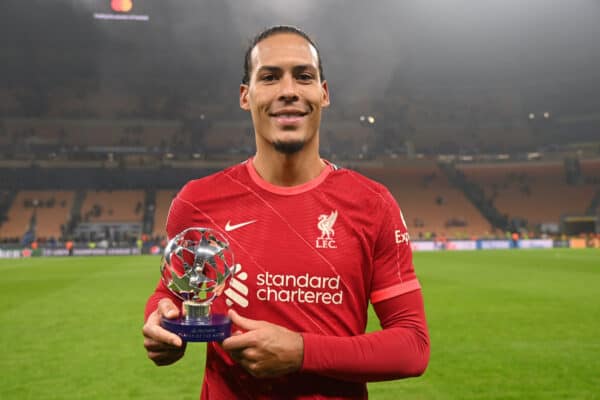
{"points": [[49, 220], [163, 202], [534, 192], [82, 138], [590, 169], [113, 206], [92, 132], [429, 203], [225, 137], [44, 211], [18, 219]]}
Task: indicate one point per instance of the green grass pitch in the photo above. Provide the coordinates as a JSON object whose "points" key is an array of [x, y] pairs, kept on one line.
{"points": [[504, 325]]}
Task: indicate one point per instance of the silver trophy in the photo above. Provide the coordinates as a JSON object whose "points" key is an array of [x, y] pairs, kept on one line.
{"points": [[196, 267]]}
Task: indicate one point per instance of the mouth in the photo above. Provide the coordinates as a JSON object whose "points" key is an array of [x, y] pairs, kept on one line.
{"points": [[288, 117]]}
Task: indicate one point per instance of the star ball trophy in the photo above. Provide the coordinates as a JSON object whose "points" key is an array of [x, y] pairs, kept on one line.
{"points": [[196, 266]]}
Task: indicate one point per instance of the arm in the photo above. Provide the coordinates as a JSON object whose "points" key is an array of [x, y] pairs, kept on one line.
{"points": [[160, 293], [162, 346], [399, 350]]}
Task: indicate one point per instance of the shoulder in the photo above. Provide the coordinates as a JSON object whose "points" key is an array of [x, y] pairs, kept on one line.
{"points": [[357, 183], [364, 194], [207, 185]]}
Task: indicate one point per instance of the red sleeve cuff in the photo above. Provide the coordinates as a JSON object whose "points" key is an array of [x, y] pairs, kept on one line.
{"points": [[396, 290]]}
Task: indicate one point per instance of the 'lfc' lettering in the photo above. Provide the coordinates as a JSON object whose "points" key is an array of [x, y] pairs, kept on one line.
{"points": [[325, 244]]}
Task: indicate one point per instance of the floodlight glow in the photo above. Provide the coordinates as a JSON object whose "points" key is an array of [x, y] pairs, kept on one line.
{"points": [[121, 12], [121, 5]]}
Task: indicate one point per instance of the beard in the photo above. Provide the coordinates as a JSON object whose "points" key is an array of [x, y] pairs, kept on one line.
{"points": [[290, 147]]}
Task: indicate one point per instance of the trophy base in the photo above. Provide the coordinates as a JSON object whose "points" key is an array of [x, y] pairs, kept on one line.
{"points": [[214, 328]]}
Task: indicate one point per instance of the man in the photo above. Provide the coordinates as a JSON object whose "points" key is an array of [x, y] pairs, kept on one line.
{"points": [[315, 243]]}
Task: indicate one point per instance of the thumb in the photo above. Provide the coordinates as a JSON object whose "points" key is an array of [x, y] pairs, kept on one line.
{"points": [[244, 323], [167, 309]]}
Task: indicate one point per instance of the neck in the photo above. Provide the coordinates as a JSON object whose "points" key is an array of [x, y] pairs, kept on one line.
{"points": [[288, 169]]}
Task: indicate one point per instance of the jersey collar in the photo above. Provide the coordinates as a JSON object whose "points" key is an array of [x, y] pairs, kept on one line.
{"points": [[288, 190]]}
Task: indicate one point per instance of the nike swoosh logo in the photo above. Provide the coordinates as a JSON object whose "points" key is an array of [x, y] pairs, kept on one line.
{"points": [[229, 227]]}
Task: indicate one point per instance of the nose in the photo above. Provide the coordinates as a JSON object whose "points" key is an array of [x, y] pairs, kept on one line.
{"points": [[288, 90]]}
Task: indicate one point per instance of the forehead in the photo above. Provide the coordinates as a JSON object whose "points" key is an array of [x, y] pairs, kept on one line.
{"points": [[284, 49]]}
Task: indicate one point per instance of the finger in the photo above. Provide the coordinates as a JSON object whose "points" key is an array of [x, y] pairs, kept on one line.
{"points": [[244, 323], [153, 330], [254, 368], [165, 358], [246, 355], [238, 342], [167, 308], [251, 354], [156, 346]]}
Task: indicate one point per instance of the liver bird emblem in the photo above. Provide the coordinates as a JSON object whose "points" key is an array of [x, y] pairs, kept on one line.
{"points": [[326, 223]]}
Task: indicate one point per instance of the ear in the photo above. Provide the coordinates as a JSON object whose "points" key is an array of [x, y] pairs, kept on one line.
{"points": [[244, 104], [325, 99]]}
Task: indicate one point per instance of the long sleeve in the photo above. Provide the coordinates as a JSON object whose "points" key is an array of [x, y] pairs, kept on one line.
{"points": [[177, 221], [399, 350], [159, 293]]}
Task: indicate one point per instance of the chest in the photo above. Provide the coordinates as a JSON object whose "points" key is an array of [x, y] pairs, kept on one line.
{"points": [[310, 256], [306, 234]]}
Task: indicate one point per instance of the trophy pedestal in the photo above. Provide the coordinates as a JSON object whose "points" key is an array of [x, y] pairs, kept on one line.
{"points": [[212, 328]]}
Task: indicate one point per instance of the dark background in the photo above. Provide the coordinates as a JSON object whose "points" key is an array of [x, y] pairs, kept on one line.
{"points": [[417, 66]]}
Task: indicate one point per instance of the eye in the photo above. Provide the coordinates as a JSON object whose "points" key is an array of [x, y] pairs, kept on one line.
{"points": [[305, 76], [267, 78]]}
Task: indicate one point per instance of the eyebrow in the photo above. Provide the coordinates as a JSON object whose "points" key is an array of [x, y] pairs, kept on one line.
{"points": [[295, 69]]}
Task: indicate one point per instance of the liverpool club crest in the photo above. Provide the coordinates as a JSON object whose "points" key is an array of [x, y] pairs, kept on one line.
{"points": [[325, 225]]}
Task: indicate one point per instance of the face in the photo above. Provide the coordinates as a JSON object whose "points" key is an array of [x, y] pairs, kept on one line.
{"points": [[285, 94]]}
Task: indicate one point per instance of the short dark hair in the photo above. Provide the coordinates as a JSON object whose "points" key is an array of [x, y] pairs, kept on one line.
{"points": [[273, 31]]}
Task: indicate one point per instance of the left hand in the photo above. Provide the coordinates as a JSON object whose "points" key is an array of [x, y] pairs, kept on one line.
{"points": [[264, 349]]}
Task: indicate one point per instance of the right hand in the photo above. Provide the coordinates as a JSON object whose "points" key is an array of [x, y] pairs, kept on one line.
{"points": [[163, 347]]}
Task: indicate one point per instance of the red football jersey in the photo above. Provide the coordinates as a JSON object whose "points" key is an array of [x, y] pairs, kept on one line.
{"points": [[309, 258]]}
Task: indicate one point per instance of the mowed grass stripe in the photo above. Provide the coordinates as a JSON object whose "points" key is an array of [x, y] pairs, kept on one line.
{"points": [[504, 324], [510, 324], [82, 337]]}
